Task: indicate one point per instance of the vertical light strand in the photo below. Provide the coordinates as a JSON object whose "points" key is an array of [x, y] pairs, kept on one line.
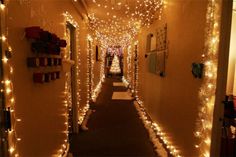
{"points": [[10, 101], [207, 91], [64, 148], [129, 64], [161, 142], [98, 88]]}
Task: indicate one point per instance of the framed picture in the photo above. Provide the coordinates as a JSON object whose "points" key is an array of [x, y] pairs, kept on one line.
{"points": [[151, 44], [156, 51]]}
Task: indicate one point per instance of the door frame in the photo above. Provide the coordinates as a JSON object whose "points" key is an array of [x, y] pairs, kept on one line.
{"points": [[73, 73], [221, 82]]}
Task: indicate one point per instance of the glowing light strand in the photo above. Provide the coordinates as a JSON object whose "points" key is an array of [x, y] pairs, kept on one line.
{"points": [[207, 90], [120, 31], [10, 101], [63, 151], [163, 146]]}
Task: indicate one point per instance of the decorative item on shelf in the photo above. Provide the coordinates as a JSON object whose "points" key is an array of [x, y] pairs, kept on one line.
{"points": [[46, 77], [53, 75], [50, 61], [44, 44], [44, 41], [38, 77], [63, 43], [197, 69], [39, 47], [33, 62], [43, 61], [7, 119], [58, 74], [57, 61], [33, 32]]}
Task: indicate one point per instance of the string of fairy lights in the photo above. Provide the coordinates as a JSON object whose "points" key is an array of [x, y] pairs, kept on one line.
{"points": [[115, 30], [206, 94], [163, 146], [143, 15], [68, 91], [208, 88], [129, 63], [98, 88], [90, 67], [8, 90]]}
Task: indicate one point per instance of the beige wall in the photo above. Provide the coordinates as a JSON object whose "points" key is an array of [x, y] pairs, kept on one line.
{"points": [[173, 100], [231, 87], [40, 106]]}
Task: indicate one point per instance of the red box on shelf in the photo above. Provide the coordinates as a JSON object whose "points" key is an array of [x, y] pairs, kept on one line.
{"points": [[47, 77], [50, 61], [58, 74], [33, 62], [63, 43], [39, 77], [43, 61], [53, 76], [33, 32]]}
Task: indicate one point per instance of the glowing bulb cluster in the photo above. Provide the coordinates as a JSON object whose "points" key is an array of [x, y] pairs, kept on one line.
{"points": [[208, 88], [64, 148], [8, 90], [115, 30]]}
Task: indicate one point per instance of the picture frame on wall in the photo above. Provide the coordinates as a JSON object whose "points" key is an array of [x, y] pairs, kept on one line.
{"points": [[156, 48]]}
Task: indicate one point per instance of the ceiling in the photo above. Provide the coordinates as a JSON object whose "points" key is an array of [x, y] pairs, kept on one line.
{"points": [[116, 22]]}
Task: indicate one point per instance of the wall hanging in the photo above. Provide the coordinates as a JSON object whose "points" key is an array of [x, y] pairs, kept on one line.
{"points": [[46, 58], [156, 48]]}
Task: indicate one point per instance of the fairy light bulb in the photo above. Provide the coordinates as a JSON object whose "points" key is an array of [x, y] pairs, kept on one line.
{"points": [[2, 6], [11, 150]]}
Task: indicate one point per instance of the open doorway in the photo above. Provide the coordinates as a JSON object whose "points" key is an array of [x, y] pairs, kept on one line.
{"points": [[72, 87], [228, 138]]}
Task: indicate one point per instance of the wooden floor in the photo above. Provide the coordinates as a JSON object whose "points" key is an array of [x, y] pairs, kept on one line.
{"points": [[114, 129]]}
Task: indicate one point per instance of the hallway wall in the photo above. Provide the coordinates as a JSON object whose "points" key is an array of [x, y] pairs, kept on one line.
{"points": [[40, 106], [174, 109]]}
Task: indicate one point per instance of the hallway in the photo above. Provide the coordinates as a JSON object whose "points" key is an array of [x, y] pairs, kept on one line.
{"points": [[114, 128], [60, 60]]}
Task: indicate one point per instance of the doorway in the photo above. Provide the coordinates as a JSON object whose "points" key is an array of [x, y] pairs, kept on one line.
{"points": [[228, 137], [71, 78]]}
